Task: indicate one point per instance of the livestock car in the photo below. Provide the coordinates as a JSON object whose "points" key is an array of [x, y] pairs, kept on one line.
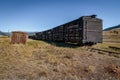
{"points": [[86, 29]]}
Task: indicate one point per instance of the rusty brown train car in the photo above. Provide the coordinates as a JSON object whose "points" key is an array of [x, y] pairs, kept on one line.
{"points": [[86, 29], [18, 37]]}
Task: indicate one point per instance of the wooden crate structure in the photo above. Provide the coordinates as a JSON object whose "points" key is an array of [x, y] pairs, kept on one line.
{"points": [[18, 37]]}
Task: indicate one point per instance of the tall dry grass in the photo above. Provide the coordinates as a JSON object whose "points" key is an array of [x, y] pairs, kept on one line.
{"points": [[38, 60]]}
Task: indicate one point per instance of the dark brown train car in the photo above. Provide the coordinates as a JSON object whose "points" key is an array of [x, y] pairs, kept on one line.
{"points": [[58, 33], [38, 35], [32, 37], [44, 36], [18, 37], [86, 29], [55, 34], [92, 29], [49, 34], [74, 32]]}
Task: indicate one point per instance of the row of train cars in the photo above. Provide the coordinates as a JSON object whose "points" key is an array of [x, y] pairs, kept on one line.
{"points": [[86, 29]]}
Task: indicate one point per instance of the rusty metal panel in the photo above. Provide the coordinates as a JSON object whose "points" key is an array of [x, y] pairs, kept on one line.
{"points": [[18, 37]]}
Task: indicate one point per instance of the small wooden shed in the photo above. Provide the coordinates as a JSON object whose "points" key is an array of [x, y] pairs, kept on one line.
{"points": [[18, 37]]}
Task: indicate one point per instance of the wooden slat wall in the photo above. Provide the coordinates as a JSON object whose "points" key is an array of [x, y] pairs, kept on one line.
{"points": [[18, 37]]}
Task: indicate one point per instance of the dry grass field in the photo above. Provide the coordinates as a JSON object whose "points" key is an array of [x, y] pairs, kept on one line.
{"points": [[112, 35], [39, 60]]}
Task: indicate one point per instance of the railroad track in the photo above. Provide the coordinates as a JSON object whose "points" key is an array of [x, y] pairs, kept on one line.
{"points": [[105, 52]]}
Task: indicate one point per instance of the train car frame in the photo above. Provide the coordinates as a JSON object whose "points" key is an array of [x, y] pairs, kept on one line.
{"points": [[86, 29]]}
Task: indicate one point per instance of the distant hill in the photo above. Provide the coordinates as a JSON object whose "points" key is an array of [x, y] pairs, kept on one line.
{"points": [[8, 33], [4, 33], [31, 33], [112, 34], [110, 28]]}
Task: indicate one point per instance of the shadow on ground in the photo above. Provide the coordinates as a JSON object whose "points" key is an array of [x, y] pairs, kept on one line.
{"points": [[66, 44], [63, 44]]}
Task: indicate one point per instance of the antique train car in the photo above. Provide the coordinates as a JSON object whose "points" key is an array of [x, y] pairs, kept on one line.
{"points": [[86, 29], [49, 35]]}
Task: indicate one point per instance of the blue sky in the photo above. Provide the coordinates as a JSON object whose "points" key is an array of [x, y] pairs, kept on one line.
{"points": [[39, 15]]}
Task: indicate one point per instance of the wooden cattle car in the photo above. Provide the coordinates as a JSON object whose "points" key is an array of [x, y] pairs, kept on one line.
{"points": [[58, 33], [44, 35], [49, 34], [38, 35], [86, 29], [92, 29], [18, 37]]}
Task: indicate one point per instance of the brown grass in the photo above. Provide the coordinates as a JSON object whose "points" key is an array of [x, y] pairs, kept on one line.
{"points": [[110, 38], [111, 35], [113, 70], [38, 60]]}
